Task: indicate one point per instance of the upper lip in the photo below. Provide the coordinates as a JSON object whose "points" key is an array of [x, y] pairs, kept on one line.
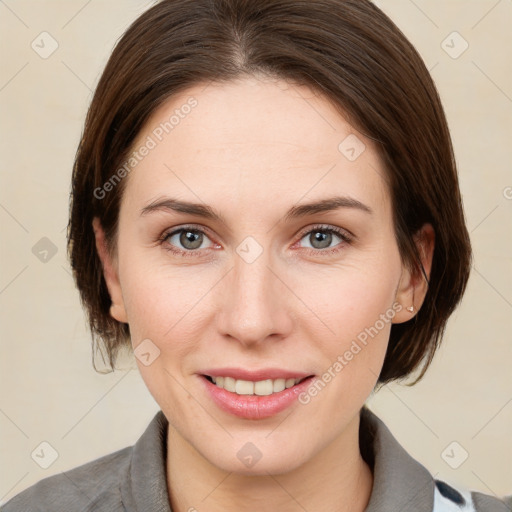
{"points": [[255, 375]]}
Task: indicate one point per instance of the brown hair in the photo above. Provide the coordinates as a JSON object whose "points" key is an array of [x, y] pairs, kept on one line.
{"points": [[347, 50]]}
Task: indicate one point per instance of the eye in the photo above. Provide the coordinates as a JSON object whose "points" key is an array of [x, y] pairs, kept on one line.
{"points": [[186, 239], [189, 240], [321, 238]]}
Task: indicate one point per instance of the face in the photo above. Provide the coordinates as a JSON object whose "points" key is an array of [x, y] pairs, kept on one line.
{"points": [[250, 288]]}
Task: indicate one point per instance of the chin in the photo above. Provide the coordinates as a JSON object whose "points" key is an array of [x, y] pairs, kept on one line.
{"points": [[258, 458]]}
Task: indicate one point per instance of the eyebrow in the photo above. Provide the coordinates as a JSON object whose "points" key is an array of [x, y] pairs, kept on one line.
{"points": [[295, 212], [326, 205]]}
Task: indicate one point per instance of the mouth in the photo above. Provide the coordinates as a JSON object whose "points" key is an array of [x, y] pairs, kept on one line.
{"points": [[264, 387], [258, 398]]}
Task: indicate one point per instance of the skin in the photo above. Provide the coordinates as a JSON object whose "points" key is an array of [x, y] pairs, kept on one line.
{"points": [[251, 149]]}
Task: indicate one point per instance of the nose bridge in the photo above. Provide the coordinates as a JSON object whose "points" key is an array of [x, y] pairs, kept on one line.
{"points": [[256, 305]]}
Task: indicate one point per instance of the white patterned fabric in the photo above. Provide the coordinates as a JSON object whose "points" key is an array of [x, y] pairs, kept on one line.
{"points": [[449, 499]]}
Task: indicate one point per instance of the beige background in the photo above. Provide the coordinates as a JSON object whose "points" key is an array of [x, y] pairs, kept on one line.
{"points": [[49, 390]]}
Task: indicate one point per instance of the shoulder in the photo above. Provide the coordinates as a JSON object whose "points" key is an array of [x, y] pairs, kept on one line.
{"points": [[487, 503], [94, 486], [400, 480]]}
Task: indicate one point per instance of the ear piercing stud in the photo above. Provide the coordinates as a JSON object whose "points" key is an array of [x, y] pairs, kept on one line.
{"points": [[410, 309]]}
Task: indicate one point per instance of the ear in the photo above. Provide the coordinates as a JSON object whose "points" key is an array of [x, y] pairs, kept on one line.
{"points": [[117, 309], [413, 287]]}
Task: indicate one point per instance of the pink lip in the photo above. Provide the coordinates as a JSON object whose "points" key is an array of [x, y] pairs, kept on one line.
{"points": [[253, 407], [254, 375]]}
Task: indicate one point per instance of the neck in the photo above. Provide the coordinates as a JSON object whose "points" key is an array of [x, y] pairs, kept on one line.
{"points": [[336, 479]]}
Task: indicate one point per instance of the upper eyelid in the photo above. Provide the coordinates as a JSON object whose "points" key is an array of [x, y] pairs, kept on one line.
{"points": [[326, 227], [190, 227]]}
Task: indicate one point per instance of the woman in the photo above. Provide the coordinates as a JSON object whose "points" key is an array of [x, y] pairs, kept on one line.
{"points": [[259, 209]]}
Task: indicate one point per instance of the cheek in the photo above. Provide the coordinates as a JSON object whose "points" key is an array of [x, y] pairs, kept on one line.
{"points": [[163, 306], [352, 296], [358, 306], [160, 299], [363, 303]]}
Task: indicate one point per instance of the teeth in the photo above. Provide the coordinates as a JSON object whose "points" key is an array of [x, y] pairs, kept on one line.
{"points": [[229, 384], [279, 385], [264, 387], [260, 388], [244, 387], [289, 383]]}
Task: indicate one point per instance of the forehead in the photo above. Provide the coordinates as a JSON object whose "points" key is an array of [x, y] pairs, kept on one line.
{"points": [[254, 139]]}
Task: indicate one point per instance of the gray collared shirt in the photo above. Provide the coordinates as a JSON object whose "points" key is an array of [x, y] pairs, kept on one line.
{"points": [[134, 480]]}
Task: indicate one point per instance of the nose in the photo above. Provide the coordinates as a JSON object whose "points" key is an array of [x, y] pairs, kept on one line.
{"points": [[255, 304]]}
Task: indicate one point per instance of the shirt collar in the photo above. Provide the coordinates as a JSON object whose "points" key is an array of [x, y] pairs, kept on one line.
{"points": [[145, 489], [400, 483]]}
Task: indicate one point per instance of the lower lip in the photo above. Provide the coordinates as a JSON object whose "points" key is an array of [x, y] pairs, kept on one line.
{"points": [[254, 407]]}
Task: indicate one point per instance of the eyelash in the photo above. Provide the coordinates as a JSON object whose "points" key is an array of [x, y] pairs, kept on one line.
{"points": [[344, 235]]}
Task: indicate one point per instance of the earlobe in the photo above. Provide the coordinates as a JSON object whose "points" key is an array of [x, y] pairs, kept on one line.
{"points": [[413, 285], [117, 309]]}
